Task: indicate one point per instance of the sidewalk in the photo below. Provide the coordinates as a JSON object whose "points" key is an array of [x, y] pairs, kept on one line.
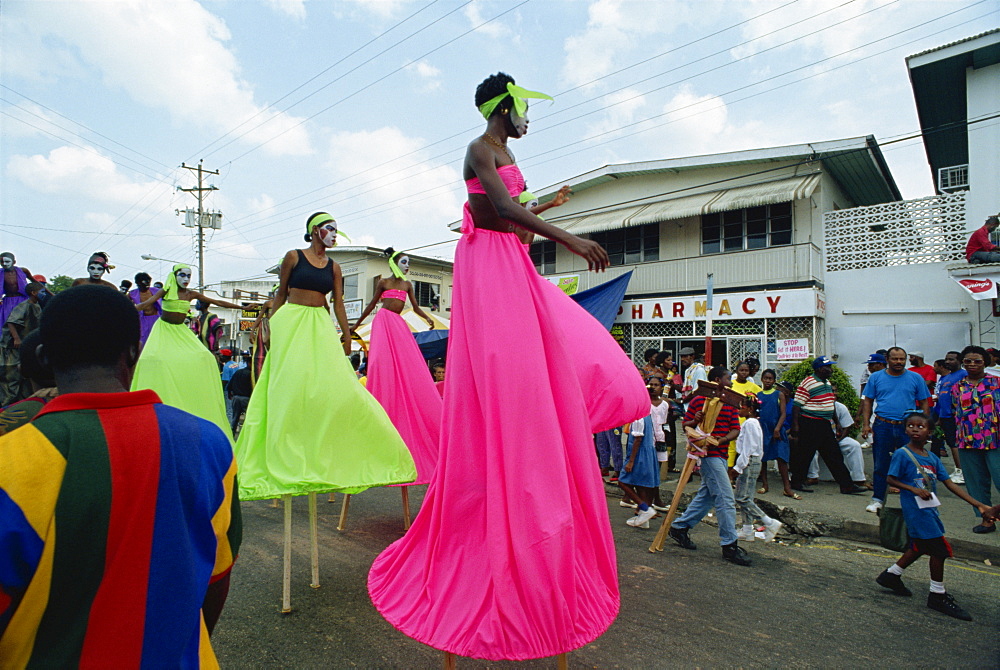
{"points": [[827, 512]]}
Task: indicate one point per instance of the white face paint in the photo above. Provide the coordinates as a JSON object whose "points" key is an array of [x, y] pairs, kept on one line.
{"points": [[96, 270], [183, 278], [404, 264], [328, 235], [8, 262]]}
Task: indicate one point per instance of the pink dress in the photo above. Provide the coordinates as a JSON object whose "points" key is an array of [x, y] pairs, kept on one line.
{"points": [[399, 379], [511, 556]]}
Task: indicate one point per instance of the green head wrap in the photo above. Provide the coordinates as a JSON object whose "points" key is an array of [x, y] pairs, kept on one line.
{"points": [[519, 95], [526, 197], [396, 272], [320, 220], [170, 287]]}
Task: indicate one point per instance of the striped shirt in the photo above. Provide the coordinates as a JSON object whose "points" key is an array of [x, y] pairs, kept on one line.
{"points": [[116, 512], [814, 398], [727, 421]]}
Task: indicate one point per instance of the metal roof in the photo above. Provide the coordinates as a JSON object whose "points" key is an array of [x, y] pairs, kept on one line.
{"points": [[856, 163], [955, 43]]}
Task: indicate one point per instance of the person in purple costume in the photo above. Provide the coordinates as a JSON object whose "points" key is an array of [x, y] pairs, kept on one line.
{"points": [[149, 315], [15, 279]]}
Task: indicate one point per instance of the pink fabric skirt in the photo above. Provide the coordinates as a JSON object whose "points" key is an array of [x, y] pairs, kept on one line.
{"points": [[511, 556], [399, 379]]}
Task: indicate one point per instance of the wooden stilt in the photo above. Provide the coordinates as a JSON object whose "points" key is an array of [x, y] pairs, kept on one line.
{"points": [[286, 579], [313, 542], [661, 535], [275, 503], [562, 662], [333, 497], [406, 506], [449, 661], [343, 512]]}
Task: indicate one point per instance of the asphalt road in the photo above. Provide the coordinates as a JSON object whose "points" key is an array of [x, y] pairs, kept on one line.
{"points": [[811, 605]]}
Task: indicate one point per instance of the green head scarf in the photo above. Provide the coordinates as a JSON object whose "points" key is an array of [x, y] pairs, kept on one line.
{"points": [[520, 96], [170, 287], [320, 220]]}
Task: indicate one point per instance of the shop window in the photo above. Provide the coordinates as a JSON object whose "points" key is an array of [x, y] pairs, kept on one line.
{"points": [[428, 295], [543, 255], [636, 244], [745, 229], [350, 287]]}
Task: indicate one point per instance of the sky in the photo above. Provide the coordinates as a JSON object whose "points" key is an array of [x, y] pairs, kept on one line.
{"points": [[363, 108]]}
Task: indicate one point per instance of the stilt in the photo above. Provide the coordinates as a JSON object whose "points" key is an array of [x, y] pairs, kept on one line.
{"points": [[343, 512], [562, 663], [314, 544], [449, 661], [406, 506], [286, 579], [275, 504], [661, 535], [333, 497]]}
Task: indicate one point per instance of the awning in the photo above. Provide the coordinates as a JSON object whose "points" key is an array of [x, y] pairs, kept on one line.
{"points": [[671, 209], [980, 287], [415, 323]]}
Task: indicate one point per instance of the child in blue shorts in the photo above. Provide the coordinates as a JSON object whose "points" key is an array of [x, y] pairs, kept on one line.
{"points": [[923, 524]]}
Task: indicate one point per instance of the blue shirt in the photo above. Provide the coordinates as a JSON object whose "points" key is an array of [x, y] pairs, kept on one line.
{"points": [[923, 524], [943, 407], [896, 394], [230, 368]]}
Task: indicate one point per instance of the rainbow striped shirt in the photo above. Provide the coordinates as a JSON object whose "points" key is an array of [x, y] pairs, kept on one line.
{"points": [[815, 398], [116, 512]]}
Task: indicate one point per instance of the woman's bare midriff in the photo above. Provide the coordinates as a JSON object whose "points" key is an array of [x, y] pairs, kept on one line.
{"points": [[175, 318], [484, 214], [306, 298], [393, 304]]}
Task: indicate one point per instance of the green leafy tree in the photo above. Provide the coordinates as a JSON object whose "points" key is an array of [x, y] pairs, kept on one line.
{"points": [[59, 283], [842, 384]]}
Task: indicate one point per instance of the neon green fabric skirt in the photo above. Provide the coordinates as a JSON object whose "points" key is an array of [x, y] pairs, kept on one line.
{"points": [[176, 365], [310, 426]]}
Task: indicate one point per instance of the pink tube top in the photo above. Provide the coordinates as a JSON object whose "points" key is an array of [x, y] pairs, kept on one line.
{"points": [[512, 179], [395, 293]]}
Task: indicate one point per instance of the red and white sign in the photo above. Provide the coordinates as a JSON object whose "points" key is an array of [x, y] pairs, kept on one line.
{"points": [[980, 288], [755, 305], [792, 350]]}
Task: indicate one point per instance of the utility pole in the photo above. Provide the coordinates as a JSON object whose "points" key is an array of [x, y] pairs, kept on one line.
{"points": [[199, 192]]}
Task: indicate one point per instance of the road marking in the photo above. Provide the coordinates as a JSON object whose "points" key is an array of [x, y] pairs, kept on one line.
{"points": [[883, 555]]}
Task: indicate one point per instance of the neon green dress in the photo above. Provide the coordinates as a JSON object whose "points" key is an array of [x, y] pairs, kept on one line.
{"points": [[185, 374], [310, 426]]}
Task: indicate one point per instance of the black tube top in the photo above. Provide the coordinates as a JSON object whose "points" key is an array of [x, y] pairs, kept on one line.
{"points": [[308, 277]]}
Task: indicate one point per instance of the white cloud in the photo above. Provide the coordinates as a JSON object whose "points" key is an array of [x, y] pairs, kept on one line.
{"points": [[381, 8], [171, 55], [494, 29], [293, 8], [27, 119], [430, 75], [84, 173], [412, 199]]}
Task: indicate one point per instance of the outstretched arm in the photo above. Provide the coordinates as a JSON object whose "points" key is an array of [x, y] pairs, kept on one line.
{"points": [[560, 199], [481, 159], [153, 297], [216, 301], [416, 308], [379, 287]]}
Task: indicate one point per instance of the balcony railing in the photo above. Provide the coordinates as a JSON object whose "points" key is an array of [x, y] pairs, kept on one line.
{"points": [[924, 230], [776, 265]]}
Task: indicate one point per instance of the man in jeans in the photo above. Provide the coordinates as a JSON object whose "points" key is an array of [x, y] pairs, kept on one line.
{"points": [[895, 390], [716, 489], [812, 424]]}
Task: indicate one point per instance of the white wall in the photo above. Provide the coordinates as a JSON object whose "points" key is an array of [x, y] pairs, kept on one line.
{"points": [[983, 99]]}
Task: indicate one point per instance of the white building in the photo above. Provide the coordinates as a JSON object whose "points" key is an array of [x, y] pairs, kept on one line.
{"points": [[753, 219], [887, 267]]}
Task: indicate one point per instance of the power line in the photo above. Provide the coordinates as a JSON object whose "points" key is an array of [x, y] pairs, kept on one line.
{"points": [[321, 73], [383, 78]]}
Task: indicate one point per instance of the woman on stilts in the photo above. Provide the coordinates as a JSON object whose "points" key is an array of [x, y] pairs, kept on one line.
{"points": [[310, 427], [395, 370], [491, 568], [174, 362]]}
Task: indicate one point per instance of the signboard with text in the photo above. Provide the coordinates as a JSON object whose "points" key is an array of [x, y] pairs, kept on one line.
{"points": [[248, 317], [792, 350], [354, 309], [570, 284], [748, 305]]}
